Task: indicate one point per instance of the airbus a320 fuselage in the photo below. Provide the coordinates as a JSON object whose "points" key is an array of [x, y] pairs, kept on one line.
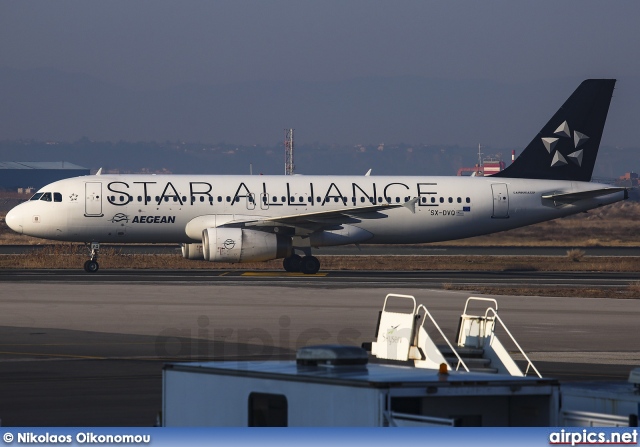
{"points": [[257, 218]]}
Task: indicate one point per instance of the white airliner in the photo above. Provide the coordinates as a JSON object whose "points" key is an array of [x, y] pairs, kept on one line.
{"points": [[258, 218]]}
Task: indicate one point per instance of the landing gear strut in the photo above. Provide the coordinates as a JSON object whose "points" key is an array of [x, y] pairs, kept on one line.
{"points": [[91, 266], [295, 263]]}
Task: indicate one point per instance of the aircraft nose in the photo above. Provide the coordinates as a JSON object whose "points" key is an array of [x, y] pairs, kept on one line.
{"points": [[14, 220]]}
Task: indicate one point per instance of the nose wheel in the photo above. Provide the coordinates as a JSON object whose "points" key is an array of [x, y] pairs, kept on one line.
{"points": [[92, 266]]}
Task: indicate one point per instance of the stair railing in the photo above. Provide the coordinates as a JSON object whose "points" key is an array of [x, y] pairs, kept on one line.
{"points": [[428, 314], [504, 326]]}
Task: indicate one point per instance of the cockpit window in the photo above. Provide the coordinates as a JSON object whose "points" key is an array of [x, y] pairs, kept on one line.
{"points": [[36, 196], [57, 197], [46, 197]]}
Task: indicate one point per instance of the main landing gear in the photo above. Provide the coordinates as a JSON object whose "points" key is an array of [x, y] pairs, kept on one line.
{"points": [[296, 263], [91, 266]]}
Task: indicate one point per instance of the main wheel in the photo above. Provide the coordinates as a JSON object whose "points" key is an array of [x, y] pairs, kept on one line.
{"points": [[91, 266], [292, 263], [309, 265]]}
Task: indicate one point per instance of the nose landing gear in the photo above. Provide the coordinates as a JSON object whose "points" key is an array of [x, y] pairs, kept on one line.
{"points": [[92, 266]]}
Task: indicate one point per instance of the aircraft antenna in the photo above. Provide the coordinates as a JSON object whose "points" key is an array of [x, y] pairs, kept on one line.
{"points": [[288, 152]]}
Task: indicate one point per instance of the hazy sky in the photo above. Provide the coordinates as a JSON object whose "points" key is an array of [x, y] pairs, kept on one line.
{"points": [[154, 44]]}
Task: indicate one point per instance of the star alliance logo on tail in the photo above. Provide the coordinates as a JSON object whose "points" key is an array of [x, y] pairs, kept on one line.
{"points": [[563, 131]]}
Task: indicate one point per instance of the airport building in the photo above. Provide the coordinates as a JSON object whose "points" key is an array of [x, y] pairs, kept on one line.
{"points": [[36, 174]]}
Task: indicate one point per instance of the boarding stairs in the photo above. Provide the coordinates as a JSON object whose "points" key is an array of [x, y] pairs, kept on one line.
{"points": [[401, 336]]}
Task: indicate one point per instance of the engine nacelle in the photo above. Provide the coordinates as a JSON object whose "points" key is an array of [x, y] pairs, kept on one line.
{"points": [[240, 245], [192, 251]]}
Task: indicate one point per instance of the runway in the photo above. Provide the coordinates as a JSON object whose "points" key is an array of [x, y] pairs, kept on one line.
{"points": [[368, 250], [88, 350], [331, 279]]}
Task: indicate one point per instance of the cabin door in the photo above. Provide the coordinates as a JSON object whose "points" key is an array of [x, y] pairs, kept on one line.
{"points": [[93, 199], [500, 201]]}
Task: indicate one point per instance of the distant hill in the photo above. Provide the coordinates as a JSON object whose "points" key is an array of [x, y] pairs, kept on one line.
{"points": [[46, 104], [225, 158]]}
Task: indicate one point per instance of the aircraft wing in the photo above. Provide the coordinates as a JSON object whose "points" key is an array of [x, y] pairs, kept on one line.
{"points": [[582, 195], [310, 222]]}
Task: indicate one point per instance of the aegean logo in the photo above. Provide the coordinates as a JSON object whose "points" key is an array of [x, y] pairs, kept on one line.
{"points": [[120, 218]]}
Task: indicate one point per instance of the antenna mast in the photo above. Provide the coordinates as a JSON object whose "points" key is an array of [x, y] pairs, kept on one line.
{"points": [[288, 152]]}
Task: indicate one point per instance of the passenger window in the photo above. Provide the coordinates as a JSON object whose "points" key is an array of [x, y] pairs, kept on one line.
{"points": [[284, 199], [57, 197], [468, 200], [459, 200], [433, 200], [202, 198], [424, 200], [441, 199], [219, 198], [450, 199], [36, 196], [319, 199], [301, 199], [46, 197]]}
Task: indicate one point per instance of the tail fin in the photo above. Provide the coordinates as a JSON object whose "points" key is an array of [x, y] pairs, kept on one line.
{"points": [[567, 146]]}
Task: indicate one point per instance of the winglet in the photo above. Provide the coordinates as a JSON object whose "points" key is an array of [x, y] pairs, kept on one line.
{"points": [[99, 172], [411, 205]]}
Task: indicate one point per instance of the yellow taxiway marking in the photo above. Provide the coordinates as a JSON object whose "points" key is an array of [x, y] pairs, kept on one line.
{"points": [[274, 274]]}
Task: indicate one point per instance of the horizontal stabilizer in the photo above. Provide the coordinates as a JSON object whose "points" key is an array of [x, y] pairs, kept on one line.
{"points": [[582, 195]]}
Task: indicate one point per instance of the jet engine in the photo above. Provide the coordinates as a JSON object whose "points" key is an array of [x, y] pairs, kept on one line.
{"points": [[240, 245], [192, 251]]}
